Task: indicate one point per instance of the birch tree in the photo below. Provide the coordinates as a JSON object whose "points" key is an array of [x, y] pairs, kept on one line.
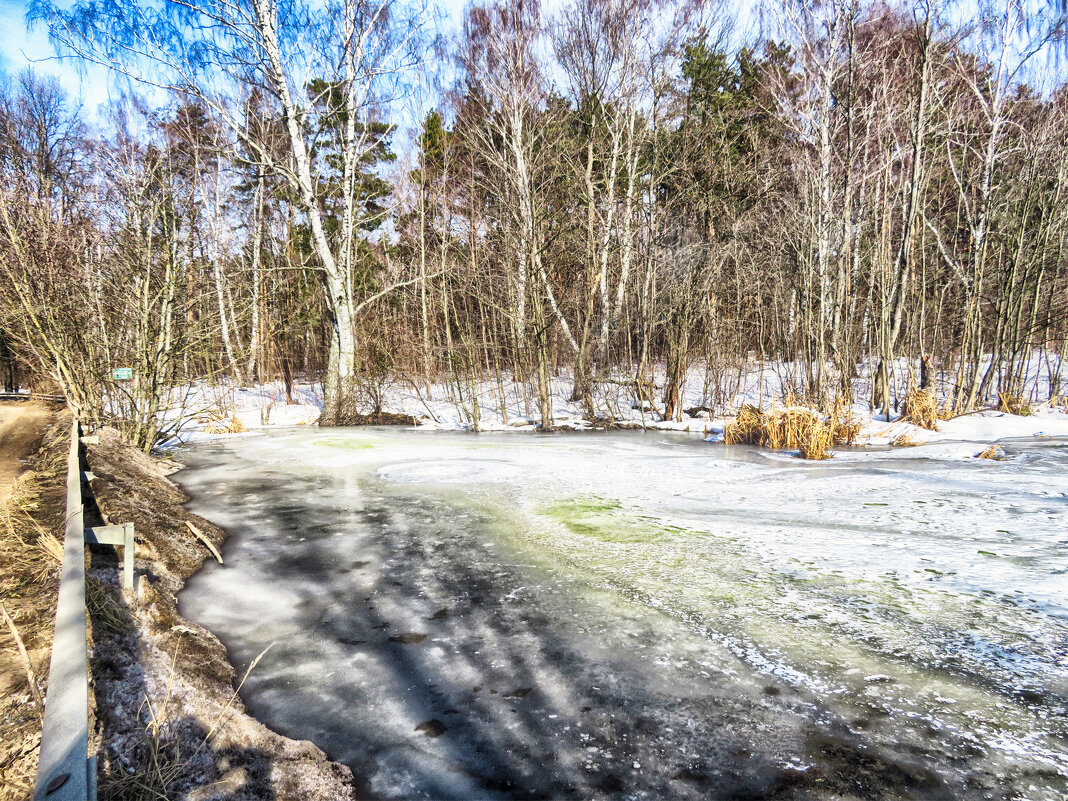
{"points": [[359, 51]]}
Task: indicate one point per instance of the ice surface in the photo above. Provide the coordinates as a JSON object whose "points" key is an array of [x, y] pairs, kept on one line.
{"points": [[893, 624]]}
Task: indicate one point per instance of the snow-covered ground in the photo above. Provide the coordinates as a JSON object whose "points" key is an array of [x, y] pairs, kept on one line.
{"points": [[507, 406]]}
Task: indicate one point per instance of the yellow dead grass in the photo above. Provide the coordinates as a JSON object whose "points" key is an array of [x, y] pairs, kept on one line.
{"points": [[799, 428], [920, 408], [232, 425], [223, 419], [994, 452], [905, 441], [1014, 404]]}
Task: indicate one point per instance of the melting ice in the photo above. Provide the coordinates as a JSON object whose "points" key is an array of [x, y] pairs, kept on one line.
{"points": [[646, 615]]}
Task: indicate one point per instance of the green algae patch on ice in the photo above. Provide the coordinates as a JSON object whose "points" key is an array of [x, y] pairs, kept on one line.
{"points": [[346, 444], [604, 520]]}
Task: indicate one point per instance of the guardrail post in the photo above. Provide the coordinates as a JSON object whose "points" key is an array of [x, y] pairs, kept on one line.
{"points": [[127, 556], [117, 535]]}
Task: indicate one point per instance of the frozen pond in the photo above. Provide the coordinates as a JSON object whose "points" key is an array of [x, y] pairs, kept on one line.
{"points": [[635, 615]]}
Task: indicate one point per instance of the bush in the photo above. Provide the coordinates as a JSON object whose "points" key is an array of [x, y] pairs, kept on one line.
{"points": [[921, 409], [1014, 404], [794, 428]]}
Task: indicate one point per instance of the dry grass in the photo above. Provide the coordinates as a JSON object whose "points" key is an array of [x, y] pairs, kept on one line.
{"points": [[171, 751], [818, 441], [993, 452], [845, 424], [223, 420], [105, 610], [30, 554], [160, 762], [1014, 404], [799, 428], [230, 425], [27, 664], [747, 428], [905, 441], [920, 408]]}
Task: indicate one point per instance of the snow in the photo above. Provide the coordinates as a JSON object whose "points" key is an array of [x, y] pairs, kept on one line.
{"points": [[509, 407], [984, 426]]}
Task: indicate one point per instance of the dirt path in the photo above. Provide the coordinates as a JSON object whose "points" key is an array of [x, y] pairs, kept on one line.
{"points": [[32, 445], [22, 425]]}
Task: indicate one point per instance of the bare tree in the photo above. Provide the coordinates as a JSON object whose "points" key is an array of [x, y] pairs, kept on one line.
{"points": [[330, 69]]}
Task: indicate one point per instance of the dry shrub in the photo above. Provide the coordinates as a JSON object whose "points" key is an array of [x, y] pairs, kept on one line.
{"points": [[794, 428], [747, 428], [845, 424], [1014, 404], [993, 452], [921, 409], [232, 425], [905, 441]]}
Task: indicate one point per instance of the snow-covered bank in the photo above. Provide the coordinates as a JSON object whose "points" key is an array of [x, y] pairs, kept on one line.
{"points": [[210, 411]]}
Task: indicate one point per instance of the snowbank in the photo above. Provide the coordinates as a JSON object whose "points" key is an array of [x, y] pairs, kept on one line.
{"points": [[211, 411]]}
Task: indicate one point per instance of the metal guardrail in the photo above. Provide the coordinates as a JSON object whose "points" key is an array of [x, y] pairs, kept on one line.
{"points": [[64, 771]]}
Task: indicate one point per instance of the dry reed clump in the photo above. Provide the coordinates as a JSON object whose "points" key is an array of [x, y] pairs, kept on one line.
{"points": [[747, 428], [845, 424], [231, 425], [223, 419], [994, 452], [905, 441], [1014, 404], [920, 408], [794, 427], [818, 439]]}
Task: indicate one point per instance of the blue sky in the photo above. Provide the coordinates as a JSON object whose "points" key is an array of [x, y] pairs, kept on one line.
{"points": [[90, 85], [20, 48]]}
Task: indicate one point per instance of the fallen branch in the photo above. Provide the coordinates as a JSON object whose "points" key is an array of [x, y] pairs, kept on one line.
{"points": [[200, 536], [25, 657]]}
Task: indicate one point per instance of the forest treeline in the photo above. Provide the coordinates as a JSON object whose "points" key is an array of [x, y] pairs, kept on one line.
{"points": [[615, 192]]}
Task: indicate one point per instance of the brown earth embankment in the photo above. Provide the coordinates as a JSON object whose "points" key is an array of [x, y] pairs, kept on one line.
{"points": [[166, 717]]}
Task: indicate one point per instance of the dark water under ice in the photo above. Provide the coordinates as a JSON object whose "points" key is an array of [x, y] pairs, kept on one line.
{"points": [[637, 615]]}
